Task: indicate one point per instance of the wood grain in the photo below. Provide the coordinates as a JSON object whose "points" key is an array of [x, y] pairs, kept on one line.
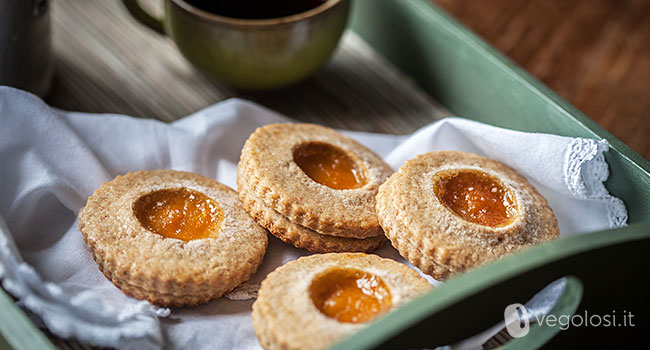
{"points": [[109, 63], [594, 53]]}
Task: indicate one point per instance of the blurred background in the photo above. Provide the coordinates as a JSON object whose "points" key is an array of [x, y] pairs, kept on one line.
{"points": [[593, 53]]}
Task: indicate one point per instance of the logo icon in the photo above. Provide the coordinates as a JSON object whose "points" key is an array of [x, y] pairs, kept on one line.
{"points": [[517, 320]]}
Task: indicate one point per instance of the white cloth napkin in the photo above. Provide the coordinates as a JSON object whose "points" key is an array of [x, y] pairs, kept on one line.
{"points": [[51, 161]]}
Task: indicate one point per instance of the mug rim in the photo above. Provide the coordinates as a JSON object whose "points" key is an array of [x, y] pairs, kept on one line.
{"points": [[261, 22]]}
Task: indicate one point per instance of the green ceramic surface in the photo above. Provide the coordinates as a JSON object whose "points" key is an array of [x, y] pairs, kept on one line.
{"points": [[252, 54], [474, 80]]}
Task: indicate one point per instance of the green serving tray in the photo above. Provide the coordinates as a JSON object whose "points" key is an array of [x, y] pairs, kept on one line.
{"points": [[472, 79], [603, 268]]}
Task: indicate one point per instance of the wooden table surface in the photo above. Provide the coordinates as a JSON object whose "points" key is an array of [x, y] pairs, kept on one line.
{"points": [[107, 62], [594, 53]]}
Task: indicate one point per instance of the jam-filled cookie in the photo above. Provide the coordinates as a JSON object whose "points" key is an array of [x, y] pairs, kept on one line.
{"points": [[171, 237], [305, 178], [450, 211], [315, 301], [300, 236]]}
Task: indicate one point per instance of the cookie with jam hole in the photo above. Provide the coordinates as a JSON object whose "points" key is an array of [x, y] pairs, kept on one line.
{"points": [[170, 237]]}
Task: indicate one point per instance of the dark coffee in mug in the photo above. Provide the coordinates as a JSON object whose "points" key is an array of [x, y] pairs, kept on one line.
{"points": [[255, 9]]}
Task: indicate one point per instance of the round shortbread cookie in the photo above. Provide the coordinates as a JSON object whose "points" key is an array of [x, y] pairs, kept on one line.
{"points": [[280, 179], [438, 239], [289, 314], [170, 271], [401, 240], [297, 235]]}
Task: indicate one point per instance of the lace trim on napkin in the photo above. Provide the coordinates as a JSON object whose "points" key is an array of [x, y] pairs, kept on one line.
{"points": [[85, 316], [585, 171]]}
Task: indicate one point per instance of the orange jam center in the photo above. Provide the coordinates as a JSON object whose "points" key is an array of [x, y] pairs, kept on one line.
{"points": [[328, 166], [476, 197], [350, 295], [179, 213]]}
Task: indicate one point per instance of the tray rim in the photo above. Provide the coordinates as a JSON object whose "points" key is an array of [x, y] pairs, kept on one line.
{"points": [[498, 271], [433, 12], [471, 282]]}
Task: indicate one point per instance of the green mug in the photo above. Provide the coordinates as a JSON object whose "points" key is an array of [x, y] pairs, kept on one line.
{"points": [[251, 54]]}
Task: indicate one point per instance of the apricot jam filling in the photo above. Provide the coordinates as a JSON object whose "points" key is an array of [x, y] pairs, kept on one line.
{"points": [[179, 213], [350, 295], [328, 165], [476, 197]]}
